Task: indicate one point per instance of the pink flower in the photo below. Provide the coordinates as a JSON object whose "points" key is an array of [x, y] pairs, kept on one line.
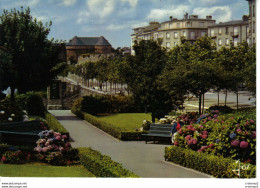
{"points": [[3, 158], [204, 147], [194, 141], [239, 130], [209, 118], [176, 143], [58, 138], [252, 121], [204, 136], [243, 144], [217, 111], [237, 125], [253, 134], [201, 126], [68, 144], [205, 132], [188, 137], [61, 149], [199, 150], [216, 120], [215, 116], [44, 149], [247, 123], [222, 122], [211, 145], [235, 143], [64, 136], [189, 142]]}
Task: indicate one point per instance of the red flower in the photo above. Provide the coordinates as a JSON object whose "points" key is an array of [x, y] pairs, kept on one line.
{"points": [[3, 159]]}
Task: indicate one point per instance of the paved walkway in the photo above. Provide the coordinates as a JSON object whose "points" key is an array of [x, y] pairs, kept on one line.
{"points": [[146, 160]]}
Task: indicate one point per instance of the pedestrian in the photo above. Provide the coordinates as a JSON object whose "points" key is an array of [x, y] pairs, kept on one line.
{"points": [[176, 126]]}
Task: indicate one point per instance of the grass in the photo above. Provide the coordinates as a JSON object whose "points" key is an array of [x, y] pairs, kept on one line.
{"points": [[43, 170], [129, 121]]}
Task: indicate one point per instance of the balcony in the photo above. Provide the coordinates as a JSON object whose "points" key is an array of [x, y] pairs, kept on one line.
{"points": [[234, 34]]}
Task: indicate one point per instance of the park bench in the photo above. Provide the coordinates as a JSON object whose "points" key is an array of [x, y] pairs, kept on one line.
{"points": [[21, 133], [158, 132]]}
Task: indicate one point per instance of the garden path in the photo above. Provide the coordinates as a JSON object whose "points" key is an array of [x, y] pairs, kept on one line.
{"points": [[145, 160]]}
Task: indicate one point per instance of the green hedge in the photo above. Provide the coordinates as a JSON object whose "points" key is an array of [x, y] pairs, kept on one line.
{"points": [[102, 165], [114, 131], [54, 124], [209, 164]]}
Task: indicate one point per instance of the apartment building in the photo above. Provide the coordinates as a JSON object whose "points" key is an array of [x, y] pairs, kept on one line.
{"points": [[235, 31], [170, 32], [252, 21]]}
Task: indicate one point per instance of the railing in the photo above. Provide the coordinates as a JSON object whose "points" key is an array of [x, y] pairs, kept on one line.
{"points": [[234, 34]]}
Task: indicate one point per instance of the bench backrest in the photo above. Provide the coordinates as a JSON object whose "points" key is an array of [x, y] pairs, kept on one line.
{"points": [[22, 126], [160, 129]]}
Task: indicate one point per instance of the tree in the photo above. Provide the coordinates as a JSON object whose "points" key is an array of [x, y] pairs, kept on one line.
{"points": [[34, 58], [141, 75]]}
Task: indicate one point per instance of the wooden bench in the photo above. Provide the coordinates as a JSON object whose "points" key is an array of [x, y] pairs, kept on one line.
{"points": [[158, 132]]}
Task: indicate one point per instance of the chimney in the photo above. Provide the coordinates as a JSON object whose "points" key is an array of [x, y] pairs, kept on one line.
{"points": [[209, 17], [186, 15], [170, 18], [245, 18]]}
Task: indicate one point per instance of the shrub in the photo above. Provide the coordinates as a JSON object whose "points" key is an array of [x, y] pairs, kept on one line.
{"points": [[132, 136], [35, 106], [217, 166], [53, 147], [15, 157], [222, 109], [102, 165], [10, 111], [54, 124], [106, 104]]}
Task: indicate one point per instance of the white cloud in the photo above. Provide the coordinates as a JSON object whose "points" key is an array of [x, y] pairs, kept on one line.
{"points": [[114, 27], [159, 14], [33, 3], [68, 2], [101, 8], [222, 14], [132, 3]]}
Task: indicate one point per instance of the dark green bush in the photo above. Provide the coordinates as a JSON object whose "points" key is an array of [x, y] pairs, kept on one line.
{"points": [[102, 165], [9, 108], [107, 104], [216, 166], [35, 106], [54, 124], [222, 109], [132, 136]]}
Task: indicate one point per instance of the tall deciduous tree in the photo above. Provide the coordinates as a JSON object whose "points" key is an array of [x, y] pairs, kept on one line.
{"points": [[34, 58], [142, 73]]}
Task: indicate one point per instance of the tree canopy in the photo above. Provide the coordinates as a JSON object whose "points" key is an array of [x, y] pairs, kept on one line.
{"points": [[33, 58]]}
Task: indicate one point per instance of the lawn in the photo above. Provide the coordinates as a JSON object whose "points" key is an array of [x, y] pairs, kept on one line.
{"points": [[43, 170], [129, 121]]}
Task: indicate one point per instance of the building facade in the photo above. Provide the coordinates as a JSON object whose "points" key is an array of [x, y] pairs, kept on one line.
{"points": [[235, 31], [87, 45], [252, 21], [170, 32]]}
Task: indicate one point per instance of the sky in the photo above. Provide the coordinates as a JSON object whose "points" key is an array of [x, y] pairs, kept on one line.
{"points": [[115, 19]]}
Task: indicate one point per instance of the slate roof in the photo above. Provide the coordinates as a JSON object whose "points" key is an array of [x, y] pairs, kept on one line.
{"points": [[234, 22], [88, 41]]}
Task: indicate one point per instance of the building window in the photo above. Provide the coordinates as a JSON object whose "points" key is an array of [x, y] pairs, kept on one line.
{"points": [[178, 25], [203, 33], [253, 10], [210, 23], [192, 35], [184, 33], [170, 25], [212, 32], [161, 35], [250, 11], [219, 42], [227, 42], [188, 24], [201, 24], [167, 26], [175, 35], [168, 45], [168, 35], [254, 27], [226, 30], [175, 43], [219, 31], [235, 30], [248, 40], [247, 30], [235, 41]]}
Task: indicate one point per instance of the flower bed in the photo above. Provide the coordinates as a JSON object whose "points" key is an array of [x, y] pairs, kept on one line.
{"points": [[230, 135]]}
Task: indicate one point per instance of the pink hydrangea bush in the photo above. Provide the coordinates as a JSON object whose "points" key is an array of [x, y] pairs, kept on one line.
{"points": [[53, 147]]}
